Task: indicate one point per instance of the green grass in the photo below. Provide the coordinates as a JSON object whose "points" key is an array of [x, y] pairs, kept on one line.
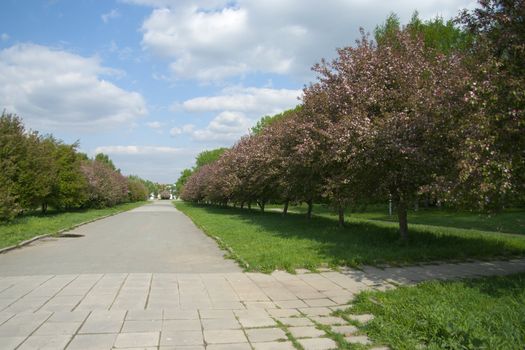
{"points": [[508, 221], [31, 225], [487, 313], [270, 241]]}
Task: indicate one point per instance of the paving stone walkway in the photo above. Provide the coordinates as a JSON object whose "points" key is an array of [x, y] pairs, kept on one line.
{"points": [[200, 311]]}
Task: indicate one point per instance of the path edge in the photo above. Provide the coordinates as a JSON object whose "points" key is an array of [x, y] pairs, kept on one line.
{"points": [[36, 238], [232, 255]]}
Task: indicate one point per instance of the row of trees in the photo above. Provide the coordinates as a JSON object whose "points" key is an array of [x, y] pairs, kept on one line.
{"points": [[40, 172], [429, 107], [202, 159]]}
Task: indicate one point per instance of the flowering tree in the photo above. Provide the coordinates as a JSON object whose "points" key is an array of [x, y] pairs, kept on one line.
{"points": [[106, 187], [297, 145], [195, 188], [492, 170], [402, 100]]}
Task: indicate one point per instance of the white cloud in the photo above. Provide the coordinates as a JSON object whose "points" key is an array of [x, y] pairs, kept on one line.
{"points": [[54, 89], [139, 150], [218, 39], [253, 100], [227, 127], [106, 17], [4, 37], [238, 109]]}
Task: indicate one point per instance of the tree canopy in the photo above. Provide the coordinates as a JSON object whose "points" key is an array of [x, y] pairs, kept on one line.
{"points": [[431, 107], [39, 171]]}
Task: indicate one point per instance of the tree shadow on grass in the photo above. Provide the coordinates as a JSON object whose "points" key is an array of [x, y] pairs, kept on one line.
{"points": [[372, 243], [500, 286]]}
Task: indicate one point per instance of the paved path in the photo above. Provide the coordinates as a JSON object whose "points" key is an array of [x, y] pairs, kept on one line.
{"points": [[152, 238], [64, 307]]}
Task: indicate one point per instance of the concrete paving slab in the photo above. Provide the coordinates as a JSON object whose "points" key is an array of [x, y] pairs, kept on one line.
{"points": [[224, 336], [135, 340], [45, 342], [181, 338], [181, 325], [306, 332], [220, 323], [92, 342], [265, 334], [318, 344], [10, 343], [58, 328], [238, 346], [295, 321], [274, 346], [142, 326]]}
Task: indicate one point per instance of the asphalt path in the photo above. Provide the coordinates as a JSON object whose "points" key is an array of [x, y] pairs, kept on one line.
{"points": [[154, 238]]}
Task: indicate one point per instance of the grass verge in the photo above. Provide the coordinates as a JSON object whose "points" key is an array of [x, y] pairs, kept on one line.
{"points": [[508, 221], [270, 241], [487, 313], [29, 226]]}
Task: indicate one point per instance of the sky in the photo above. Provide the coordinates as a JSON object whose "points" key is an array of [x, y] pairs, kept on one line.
{"points": [[152, 83]]}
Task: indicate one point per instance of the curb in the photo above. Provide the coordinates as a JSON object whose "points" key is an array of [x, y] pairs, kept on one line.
{"points": [[31, 240], [223, 246], [230, 250]]}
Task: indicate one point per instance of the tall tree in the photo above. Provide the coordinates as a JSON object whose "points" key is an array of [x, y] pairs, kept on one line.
{"points": [[137, 190], [403, 98], [12, 151], [208, 157], [443, 36], [181, 181], [104, 158], [493, 166], [268, 120], [71, 186], [37, 183]]}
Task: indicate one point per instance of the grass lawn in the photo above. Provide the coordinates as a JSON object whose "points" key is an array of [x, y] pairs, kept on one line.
{"points": [[509, 221], [270, 241], [28, 226], [487, 313]]}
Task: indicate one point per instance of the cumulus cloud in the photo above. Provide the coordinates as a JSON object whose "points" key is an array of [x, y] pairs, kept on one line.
{"points": [[142, 150], [219, 39], [106, 17], [53, 88], [226, 127], [238, 109], [253, 100]]}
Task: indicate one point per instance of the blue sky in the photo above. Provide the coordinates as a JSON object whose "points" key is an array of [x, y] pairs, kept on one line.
{"points": [[153, 82]]}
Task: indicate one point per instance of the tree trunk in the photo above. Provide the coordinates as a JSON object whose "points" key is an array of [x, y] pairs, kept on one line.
{"points": [[44, 208], [242, 205], [310, 207], [261, 205], [249, 205], [285, 209], [403, 221], [341, 212]]}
